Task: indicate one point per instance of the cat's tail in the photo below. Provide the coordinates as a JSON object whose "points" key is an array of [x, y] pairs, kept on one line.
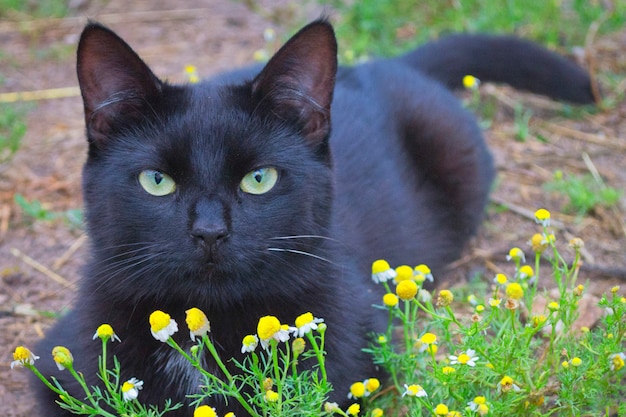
{"points": [[503, 59]]}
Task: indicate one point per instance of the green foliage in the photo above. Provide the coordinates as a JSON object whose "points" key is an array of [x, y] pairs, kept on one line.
{"points": [[35, 8], [491, 353], [584, 192], [12, 129], [37, 211], [387, 27]]}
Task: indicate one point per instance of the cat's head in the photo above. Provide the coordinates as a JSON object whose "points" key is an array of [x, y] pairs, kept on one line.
{"points": [[222, 191]]}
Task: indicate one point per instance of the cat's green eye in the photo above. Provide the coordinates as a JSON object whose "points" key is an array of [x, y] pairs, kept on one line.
{"points": [[157, 183], [259, 181]]}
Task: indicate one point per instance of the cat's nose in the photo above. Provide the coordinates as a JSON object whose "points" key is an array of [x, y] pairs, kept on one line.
{"points": [[208, 235]]}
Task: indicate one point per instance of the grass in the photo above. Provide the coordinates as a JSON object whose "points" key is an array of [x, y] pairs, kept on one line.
{"points": [[33, 8], [388, 27], [12, 129]]}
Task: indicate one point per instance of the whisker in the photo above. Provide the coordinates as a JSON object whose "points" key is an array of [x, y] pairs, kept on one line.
{"points": [[299, 252], [304, 237]]}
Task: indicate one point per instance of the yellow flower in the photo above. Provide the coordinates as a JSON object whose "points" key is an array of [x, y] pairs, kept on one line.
{"points": [[197, 322], [565, 364], [495, 302], [377, 412], [422, 273], [617, 361], [390, 300], [305, 323], [576, 362], [514, 291], [445, 298], [298, 345], [23, 357], [382, 272], [269, 327], [371, 384], [479, 405], [130, 390], [192, 74], [553, 306], [516, 255], [470, 82], [464, 358], [407, 289], [249, 343], [500, 279], [354, 409], [615, 289], [578, 291], [507, 384], [538, 320], [542, 216], [403, 273], [480, 308], [229, 414], [357, 390], [105, 332], [63, 357], [441, 410], [447, 370], [271, 396], [538, 243], [428, 338], [526, 271], [162, 326], [414, 390]]}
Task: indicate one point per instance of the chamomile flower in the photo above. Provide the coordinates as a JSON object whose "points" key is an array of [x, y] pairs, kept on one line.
{"points": [[390, 300], [357, 390], [464, 358], [576, 362], [404, 273], [414, 390], [130, 389], [354, 409], [249, 343], [423, 273], [542, 217], [305, 323], [441, 410], [269, 327], [192, 74], [516, 255], [500, 279], [62, 357], [162, 326], [371, 385], [424, 296], [271, 396], [514, 291], [444, 298], [377, 412], [495, 302], [507, 384], [382, 272], [23, 357], [617, 361], [470, 82], [526, 272], [407, 289], [479, 405], [204, 411], [197, 322], [105, 332]]}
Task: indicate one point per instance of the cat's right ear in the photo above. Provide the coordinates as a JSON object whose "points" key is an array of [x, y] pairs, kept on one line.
{"points": [[116, 85]]}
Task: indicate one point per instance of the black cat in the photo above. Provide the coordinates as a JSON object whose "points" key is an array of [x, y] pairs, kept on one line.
{"points": [[251, 195]]}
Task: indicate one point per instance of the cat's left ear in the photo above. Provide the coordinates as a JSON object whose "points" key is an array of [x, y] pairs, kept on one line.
{"points": [[298, 82]]}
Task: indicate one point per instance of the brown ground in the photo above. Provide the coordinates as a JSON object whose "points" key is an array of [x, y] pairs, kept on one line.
{"points": [[218, 34]]}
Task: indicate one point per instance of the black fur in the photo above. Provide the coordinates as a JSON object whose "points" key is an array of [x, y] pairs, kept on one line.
{"points": [[404, 175]]}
